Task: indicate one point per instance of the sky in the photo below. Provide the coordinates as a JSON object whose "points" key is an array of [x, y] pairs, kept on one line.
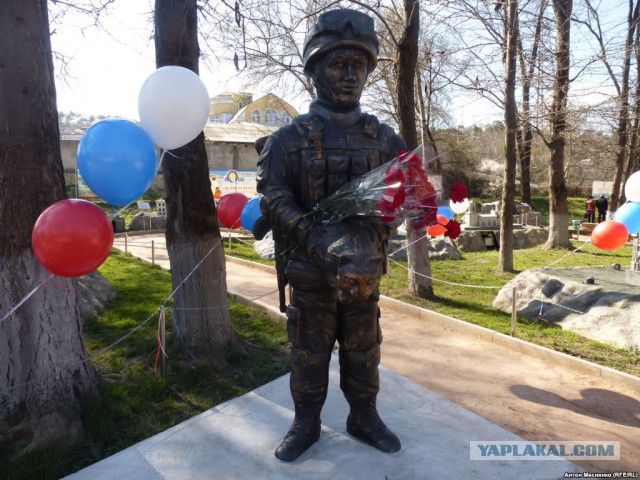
{"points": [[105, 66]]}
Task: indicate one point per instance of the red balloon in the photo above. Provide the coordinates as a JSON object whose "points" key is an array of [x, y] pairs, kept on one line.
{"points": [[230, 209], [72, 238], [439, 228], [610, 235]]}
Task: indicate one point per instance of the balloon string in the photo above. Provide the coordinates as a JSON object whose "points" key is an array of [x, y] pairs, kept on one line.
{"points": [[122, 209], [407, 246], [175, 326], [160, 350], [172, 154], [25, 298], [586, 243], [202, 260], [160, 161], [61, 286]]}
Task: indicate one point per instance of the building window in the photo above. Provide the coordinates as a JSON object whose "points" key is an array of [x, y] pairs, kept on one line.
{"points": [[255, 116], [271, 116], [286, 118]]}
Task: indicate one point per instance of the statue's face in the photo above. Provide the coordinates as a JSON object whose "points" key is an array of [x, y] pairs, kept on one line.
{"points": [[343, 73]]}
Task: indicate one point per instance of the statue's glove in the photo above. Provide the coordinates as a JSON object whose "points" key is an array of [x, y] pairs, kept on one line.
{"points": [[313, 244]]}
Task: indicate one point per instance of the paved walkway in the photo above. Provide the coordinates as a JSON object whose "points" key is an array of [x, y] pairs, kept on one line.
{"points": [[533, 392]]}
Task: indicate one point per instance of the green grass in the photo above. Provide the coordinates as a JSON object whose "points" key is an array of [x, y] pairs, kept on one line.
{"points": [[135, 403], [475, 305]]}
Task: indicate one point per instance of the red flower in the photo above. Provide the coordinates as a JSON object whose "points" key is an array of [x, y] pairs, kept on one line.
{"points": [[392, 199], [399, 195], [411, 160], [397, 191], [453, 229], [385, 205], [394, 195], [420, 192], [393, 175], [458, 192]]}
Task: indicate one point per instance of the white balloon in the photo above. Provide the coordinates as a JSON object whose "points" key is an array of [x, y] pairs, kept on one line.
{"points": [[173, 104], [632, 187], [459, 207]]}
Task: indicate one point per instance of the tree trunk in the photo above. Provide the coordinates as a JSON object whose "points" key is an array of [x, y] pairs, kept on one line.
{"points": [[526, 137], [634, 143], [419, 263], [558, 208], [407, 63], [505, 260], [633, 148], [44, 371], [623, 114], [429, 146], [634, 154], [558, 211], [417, 253], [525, 160], [201, 306]]}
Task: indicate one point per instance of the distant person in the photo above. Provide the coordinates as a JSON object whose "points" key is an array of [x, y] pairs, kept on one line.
{"points": [[590, 207], [602, 204]]}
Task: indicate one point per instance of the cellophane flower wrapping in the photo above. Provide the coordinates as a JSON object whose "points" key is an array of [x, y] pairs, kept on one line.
{"points": [[395, 191]]}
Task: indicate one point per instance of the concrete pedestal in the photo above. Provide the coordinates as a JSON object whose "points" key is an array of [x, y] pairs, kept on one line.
{"points": [[236, 440]]}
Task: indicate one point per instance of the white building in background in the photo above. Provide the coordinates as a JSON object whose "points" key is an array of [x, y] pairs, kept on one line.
{"points": [[236, 121], [600, 187]]}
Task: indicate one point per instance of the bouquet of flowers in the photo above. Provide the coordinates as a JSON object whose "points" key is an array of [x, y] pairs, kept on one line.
{"points": [[396, 191]]}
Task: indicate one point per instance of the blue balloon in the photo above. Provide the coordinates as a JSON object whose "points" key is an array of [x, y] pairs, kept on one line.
{"points": [[629, 215], [117, 160], [250, 213], [445, 211]]}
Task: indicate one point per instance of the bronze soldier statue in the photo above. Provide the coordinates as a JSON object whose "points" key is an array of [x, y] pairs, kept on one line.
{"points": [[334, 272]]}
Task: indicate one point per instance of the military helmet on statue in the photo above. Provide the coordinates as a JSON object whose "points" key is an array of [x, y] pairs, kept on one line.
{"points": [[337, 29]]}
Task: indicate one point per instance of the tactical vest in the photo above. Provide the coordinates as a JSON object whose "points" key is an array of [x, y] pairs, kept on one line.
{"points": [[323, 157]]}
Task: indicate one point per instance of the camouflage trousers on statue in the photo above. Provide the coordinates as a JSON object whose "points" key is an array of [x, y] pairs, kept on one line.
{"points": [[315, 320]]}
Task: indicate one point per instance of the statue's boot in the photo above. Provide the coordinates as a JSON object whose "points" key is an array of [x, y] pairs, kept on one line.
{"points": [[304, 432], [309, 383], [360, 383]]}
